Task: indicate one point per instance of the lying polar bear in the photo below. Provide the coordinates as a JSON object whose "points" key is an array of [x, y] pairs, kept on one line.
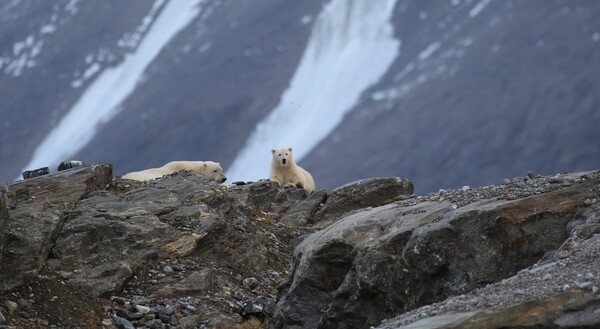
{"points": [[209, 169]]}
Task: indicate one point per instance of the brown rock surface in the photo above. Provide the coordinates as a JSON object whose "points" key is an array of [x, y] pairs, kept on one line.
{"points": [[182, 252]]}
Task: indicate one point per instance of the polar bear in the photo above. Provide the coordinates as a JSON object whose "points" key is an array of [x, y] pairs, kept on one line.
{"points": [[209, 169], [287, 173]]}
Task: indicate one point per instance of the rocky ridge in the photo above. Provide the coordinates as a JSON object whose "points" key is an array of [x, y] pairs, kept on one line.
{"points": [[81, 248]]}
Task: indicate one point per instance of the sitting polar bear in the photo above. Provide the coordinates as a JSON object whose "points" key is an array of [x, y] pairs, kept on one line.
{"points": [[287, 173], [211, 170]]}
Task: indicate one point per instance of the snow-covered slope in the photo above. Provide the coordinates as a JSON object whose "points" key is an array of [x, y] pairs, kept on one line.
{"points": [[101, 99], [351, 47], [441, 92]]}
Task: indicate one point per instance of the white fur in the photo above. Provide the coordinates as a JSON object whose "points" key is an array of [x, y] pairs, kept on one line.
{"points": [[209, 169], [287, 173]]}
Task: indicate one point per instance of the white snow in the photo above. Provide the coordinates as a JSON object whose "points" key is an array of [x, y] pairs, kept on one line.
{"points": [[102, 98], [479, 7], [351, 46], [47, 29], [429, 50], [89, 72], [71, 7]]}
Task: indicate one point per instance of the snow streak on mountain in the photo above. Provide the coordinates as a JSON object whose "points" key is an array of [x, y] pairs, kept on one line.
{"points": [[100, 102], [351, 47]]}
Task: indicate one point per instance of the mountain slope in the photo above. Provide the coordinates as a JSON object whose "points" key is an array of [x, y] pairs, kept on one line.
{"points": [[477, 99], [470, 92]]}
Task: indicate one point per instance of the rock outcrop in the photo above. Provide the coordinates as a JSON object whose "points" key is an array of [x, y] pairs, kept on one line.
{"points": [[83, 248], [387, 260]]}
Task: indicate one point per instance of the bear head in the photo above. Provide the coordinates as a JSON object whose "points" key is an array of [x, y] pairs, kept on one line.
{"points": [[213, 171], [282, 156]]}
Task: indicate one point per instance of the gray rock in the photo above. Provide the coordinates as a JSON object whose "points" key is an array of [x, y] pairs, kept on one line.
{"points": [[155, 324], [250, 282], [37, 210], [406, 257], [11, 306], [372, 192], [259, 306], [121, 323]]}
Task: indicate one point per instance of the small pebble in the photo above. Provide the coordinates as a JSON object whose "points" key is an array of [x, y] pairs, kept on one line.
{"points": [[250, 282], [142, 309], [168, 269], [22, 302]]}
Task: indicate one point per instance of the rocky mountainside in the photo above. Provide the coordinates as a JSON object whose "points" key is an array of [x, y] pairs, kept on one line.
{"points": [[469, 92], [84, 248]]}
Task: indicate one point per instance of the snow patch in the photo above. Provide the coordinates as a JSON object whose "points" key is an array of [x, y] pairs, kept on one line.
{"points": [[351, 46], [306, 19], [71, 7], [48, 29], [89, 72], [131, 40], [479, 8], [102, 99], [24, 53], [429, 50]]}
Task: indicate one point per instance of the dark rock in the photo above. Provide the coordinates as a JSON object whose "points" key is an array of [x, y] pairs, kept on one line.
{"points": [[250, 282], [22, 302], [303, 211], [155, 324], [384, 254], [3, 222], [378, 262], [70, 165], [259, 306], [36, 173], [372, 192], [36, 214], [124, 313]]}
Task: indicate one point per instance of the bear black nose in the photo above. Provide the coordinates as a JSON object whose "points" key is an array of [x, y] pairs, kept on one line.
{"points": [[283, 161]]}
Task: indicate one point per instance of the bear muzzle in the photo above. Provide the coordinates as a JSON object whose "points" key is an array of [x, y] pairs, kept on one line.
{"points": [[284, 160]]}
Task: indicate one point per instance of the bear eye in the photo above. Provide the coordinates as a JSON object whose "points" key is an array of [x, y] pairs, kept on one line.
{"points": [[279, 154], [215, 170]]}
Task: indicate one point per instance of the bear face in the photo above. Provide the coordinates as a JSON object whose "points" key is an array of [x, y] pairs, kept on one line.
{"points": [[282, 156], [214, 172]]}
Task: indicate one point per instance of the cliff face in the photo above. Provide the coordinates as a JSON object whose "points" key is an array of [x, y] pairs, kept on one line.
{"points": [[84, 248]]}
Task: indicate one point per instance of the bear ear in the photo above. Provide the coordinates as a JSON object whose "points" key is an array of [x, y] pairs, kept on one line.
{"points": [[273, 151], [218, 164], [290, 149], [205, 165]]}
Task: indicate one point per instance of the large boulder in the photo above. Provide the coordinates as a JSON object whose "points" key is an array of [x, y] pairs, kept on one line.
{"points": [[380, 262]]}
